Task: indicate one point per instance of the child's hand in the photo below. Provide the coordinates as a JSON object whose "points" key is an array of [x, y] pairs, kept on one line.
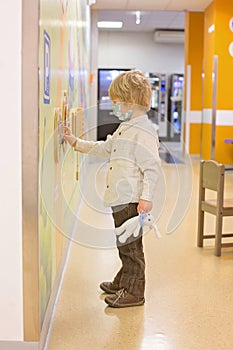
{"points": [[144, 206], [67, 130], [71, 139]]}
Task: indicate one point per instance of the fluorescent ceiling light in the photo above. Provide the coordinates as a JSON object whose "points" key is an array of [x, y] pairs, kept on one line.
{"points": [[110, 24]]}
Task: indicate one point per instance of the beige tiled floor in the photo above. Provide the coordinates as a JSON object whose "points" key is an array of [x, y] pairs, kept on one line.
{"points": [[189, 291]]}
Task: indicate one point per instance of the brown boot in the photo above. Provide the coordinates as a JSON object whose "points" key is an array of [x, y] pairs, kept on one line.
{"points": [[109, 287], [123, 299]]}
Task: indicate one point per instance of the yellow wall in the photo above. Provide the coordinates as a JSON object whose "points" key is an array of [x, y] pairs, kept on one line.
{"points": [[195, 137], [224, 152], [209, 46], [194, 55], [194, 37], [223, 37], [206, 141], [217, 38]]}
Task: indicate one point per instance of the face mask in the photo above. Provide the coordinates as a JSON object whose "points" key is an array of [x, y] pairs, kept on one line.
{"points": [[119, 114]]}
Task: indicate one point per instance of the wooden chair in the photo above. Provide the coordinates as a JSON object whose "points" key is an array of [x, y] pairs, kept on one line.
{"points": [[212, 178]]}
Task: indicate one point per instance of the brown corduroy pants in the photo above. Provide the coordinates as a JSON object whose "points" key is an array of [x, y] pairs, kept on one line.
{"points": [[131, 276]]}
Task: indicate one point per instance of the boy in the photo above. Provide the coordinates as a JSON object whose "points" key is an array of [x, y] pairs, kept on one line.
{"points": [[131, 179]]}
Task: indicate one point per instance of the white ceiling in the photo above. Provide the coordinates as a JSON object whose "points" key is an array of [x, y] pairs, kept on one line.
{"points": [[155, 14], [150, 20], [165, 5]]}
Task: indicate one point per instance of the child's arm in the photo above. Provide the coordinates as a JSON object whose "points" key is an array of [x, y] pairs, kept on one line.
{"points": [[96, 148], [148, 160]]}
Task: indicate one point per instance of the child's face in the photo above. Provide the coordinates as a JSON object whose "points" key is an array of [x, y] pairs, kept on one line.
{"points": [[125, 106], [122, 110]]}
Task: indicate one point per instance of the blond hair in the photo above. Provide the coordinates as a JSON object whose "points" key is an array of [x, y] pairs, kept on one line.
{"points": [[131, 87]]}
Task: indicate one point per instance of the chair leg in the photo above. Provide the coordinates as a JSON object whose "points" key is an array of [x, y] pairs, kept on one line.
{"points": [[218, 235], [200, 228]]}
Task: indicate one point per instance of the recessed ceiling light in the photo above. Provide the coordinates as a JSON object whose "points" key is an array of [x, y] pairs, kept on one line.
{"points": [[110, 24], [138, 17]]}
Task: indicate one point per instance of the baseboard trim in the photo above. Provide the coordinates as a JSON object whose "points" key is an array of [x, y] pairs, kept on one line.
{"points": [[18, 345]]}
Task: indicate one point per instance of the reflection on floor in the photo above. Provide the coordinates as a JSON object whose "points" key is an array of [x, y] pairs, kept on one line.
{"points": [[171, 152], [169, 158], [188, 292]]}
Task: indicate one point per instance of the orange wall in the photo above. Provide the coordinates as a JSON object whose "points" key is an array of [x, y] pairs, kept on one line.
{"points": [[224, 152], [209, 43], [208, 35], [223, 37], [194, 41], [206, 141], [195, 137], [194, 55]]}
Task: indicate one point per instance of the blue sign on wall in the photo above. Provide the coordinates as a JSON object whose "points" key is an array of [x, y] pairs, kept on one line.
{"points": [[46, 68]]}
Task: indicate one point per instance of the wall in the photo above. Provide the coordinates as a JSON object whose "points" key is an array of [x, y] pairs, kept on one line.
{"points": [[138, 50], [64, 87], [11, 327], [209, 43], [35, 166], [218, 63], [194, 43]]}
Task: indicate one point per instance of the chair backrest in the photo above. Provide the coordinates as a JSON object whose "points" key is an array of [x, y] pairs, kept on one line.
{"points": [[212, 175]]}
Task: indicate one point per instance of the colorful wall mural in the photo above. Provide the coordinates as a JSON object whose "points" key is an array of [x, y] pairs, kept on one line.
{"points": [[64, 96]]}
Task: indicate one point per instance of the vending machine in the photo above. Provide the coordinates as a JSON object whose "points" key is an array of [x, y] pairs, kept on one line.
{"points": [[175, 106], [159, 102], [107, 122]]}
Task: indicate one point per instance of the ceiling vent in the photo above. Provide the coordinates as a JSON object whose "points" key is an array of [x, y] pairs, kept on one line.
{"points": [[169, 36]]}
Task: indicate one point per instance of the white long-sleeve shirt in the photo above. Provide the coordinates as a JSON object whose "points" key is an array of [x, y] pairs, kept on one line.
{"points": [[134, 161]]}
